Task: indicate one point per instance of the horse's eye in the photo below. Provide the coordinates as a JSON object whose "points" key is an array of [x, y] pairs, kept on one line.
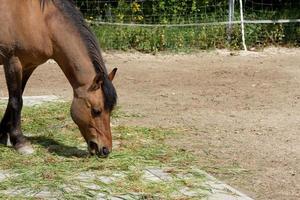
{"points": [[96, 112]]}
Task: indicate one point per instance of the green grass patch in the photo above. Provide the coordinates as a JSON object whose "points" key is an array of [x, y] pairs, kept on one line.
{"points": [[62, 166], [190, 39], [154, 39]]}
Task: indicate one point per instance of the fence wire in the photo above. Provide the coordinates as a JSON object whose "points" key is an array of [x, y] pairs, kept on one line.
{"points": [[154, 11], [265, 21], [186, 11]]}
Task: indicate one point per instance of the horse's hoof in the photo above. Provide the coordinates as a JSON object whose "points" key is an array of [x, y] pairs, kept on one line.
{"points": [[25, 150]]}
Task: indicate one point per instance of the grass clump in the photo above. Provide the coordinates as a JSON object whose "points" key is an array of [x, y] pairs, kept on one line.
{"points": [[62, 167], [189, 39]]}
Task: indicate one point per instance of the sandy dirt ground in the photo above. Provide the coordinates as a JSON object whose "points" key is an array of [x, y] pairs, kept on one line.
{"points": [[240, 112]]}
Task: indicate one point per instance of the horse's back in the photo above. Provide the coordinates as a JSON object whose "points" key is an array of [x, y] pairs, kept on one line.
{"points": [[23, 30]]}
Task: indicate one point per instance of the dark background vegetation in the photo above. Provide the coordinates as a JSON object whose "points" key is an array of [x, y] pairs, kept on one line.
{"points": [[166, 12]]}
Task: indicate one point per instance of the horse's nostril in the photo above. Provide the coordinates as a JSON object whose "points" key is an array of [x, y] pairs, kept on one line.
{"points": [[105, 151], [93, 147]]}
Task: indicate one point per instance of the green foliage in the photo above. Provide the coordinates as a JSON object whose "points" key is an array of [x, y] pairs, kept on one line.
{"points": [[149, 11], [263, 35], [152, 39]]}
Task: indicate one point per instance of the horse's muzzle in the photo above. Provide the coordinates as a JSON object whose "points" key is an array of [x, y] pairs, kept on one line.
{"points": [[95, 150]]}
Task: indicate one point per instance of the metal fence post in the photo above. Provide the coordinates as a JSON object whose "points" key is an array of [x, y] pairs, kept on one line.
{"points": [[230, 19], [242, 25]]}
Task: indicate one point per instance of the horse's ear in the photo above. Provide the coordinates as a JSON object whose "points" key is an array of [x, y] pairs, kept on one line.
{"points": [[112, 74], [98, 80]]}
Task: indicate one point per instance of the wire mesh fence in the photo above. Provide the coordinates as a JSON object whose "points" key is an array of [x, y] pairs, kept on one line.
{"points": [[150, 25], [154, 11]]}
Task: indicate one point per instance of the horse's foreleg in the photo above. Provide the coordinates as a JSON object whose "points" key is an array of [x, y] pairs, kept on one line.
{"points": [[3, 134], [26, 75], [4, 130], [4, 123], [11, 121]]}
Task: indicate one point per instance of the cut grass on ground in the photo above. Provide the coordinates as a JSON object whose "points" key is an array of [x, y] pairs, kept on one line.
{"points": [[62, 168]]}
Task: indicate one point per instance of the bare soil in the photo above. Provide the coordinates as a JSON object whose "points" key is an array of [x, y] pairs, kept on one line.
{"points": [[239, 112]]}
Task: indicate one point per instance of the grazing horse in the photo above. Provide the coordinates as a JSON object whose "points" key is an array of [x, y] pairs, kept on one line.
{"points": [[33, 31]]}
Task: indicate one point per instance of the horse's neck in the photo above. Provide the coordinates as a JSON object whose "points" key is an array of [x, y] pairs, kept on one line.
{"points": [[71, 54], [76, 66]]}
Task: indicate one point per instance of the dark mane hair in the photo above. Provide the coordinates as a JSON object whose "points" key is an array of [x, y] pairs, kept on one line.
{"points": [[69, 10]]}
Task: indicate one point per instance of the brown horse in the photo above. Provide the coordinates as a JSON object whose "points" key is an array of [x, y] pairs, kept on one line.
{"points": [[33, 31]]}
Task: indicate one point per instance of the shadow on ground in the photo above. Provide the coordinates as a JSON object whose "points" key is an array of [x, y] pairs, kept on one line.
{"points": [[58, 148]]}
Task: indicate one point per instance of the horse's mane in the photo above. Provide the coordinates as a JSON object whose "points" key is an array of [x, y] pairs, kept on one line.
{"points": [[69, 10]]}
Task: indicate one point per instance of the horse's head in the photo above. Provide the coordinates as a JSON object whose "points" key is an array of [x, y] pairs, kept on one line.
{"points": [[91, 112]]}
